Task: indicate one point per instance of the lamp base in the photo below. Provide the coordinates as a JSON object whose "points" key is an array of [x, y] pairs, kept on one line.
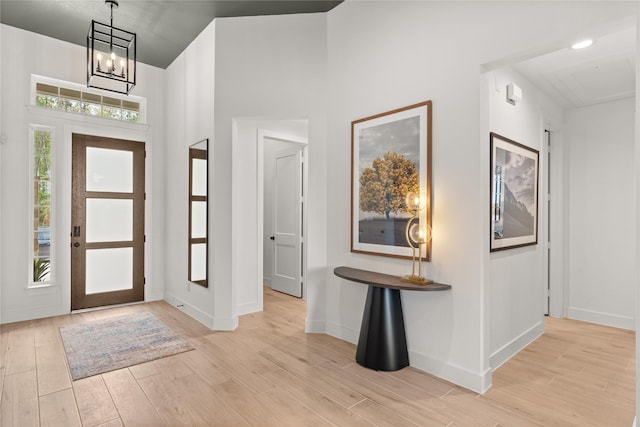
{"points": [[416, 280]]}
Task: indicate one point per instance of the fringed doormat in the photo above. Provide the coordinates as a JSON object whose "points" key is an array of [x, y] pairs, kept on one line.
{"points": [[106, 345]]}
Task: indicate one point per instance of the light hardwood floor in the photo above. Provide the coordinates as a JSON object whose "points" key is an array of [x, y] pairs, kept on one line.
{"points": [[270, 373]]}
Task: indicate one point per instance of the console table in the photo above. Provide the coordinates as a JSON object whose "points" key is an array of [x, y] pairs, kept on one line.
{"points": [[383, 342]]}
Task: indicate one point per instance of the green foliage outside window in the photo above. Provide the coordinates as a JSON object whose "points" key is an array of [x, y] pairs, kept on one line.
{"points": [[41, 205], [88, 106]]}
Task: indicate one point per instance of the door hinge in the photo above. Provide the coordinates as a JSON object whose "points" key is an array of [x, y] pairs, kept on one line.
{"points": [[144, 238], [144, 280]]}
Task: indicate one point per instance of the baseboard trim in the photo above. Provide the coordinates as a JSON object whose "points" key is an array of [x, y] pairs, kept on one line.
{"points": [[341, 332], [192, 311], [225, 324], [12, 316], [474, 381], [478, 382], [515, 345], [599, 318], [250, 307], [314, 326]]}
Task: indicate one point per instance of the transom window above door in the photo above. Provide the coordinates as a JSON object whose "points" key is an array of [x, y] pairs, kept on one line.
{"points": [[74, 98]]}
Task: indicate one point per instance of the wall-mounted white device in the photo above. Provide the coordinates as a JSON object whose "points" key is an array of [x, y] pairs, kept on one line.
{"points": [[514, 93]]}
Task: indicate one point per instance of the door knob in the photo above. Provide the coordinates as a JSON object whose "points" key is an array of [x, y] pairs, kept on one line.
{"points": [[76, 244], [273, 237]]}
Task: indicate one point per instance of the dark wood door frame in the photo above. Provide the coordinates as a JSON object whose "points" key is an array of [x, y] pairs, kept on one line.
{"points": [[79, 246]]}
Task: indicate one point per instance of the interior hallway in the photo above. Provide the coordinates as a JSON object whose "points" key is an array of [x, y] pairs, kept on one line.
{"points": [[270, 373]]}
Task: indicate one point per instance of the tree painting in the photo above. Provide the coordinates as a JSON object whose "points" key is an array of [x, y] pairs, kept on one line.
{"points": [[384, 185], [389, 155], [390, 159]]}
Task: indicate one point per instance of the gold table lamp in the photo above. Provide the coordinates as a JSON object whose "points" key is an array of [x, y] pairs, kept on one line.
{"points": [[417, 235]]}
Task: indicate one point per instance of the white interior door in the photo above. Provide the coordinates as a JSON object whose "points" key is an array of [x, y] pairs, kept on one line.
{"points": [[287, 222]]}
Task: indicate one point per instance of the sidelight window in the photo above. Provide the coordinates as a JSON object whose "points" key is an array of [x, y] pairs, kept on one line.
{"points": [[41, 200]]}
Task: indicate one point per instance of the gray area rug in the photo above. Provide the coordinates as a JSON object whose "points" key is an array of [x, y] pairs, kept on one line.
{"points": [[106, 345]]}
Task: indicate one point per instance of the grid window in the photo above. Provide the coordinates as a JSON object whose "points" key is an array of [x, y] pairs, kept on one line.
{"points": [[87, 103], [42, 201]]}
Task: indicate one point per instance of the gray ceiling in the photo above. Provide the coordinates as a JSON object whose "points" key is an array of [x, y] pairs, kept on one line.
{"points": [[164, 28]]}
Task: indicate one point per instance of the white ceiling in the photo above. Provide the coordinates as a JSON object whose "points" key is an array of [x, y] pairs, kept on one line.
{"points": [[600, 73]]}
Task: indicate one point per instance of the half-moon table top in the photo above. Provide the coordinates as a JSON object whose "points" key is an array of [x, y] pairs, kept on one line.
{"points": [[382, 280]]}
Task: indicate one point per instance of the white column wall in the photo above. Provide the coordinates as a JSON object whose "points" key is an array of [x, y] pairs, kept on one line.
{"points": [[267, 67], [190, 94]]}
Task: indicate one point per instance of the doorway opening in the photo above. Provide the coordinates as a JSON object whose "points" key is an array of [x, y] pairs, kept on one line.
{"points": [[260, 147]]}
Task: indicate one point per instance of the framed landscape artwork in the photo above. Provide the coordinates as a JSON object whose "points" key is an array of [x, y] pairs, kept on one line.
{"points": [[514, 194], [390, 158]]}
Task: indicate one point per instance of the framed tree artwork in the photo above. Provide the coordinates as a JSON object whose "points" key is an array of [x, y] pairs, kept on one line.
{"points": [[390, 164], [514, 194]]}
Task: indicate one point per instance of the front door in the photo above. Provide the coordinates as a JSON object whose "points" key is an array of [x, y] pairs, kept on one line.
{"points": [[287, 268], [107, 228]]}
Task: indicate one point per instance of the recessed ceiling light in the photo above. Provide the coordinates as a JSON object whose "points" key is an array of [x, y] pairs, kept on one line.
{"points": [[582, 44]]}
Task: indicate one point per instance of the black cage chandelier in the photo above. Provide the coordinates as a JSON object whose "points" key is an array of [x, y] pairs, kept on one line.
{"points": [[111, 56]]}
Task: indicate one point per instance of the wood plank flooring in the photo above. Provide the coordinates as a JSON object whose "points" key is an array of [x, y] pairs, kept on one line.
{"points": [[270, 373]]}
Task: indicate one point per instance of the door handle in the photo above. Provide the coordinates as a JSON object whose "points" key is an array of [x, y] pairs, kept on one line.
{"points": [[76, 244], [273, 237]]}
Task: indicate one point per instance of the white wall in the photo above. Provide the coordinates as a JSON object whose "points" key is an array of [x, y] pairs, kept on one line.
{"points": [[266, 67], [386, 55], [518, 277], [24, 53], [189, 111], [602, 216]]}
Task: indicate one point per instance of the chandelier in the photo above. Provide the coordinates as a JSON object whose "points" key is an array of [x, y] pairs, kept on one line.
{"points": [[111, 56]]}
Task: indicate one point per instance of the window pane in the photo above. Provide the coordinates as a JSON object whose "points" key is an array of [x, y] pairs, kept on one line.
{"points": [[42, 154], [41, 207], [46, 89], [44, 216], [71, 105], [43, 198], [42, 242], [109, 270], [109, 220], [47, 101], [41, 269], [109, 170], [91, 109], [131, 105], [112, 102], [130, 116], [111, 112], [91, 104]]}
